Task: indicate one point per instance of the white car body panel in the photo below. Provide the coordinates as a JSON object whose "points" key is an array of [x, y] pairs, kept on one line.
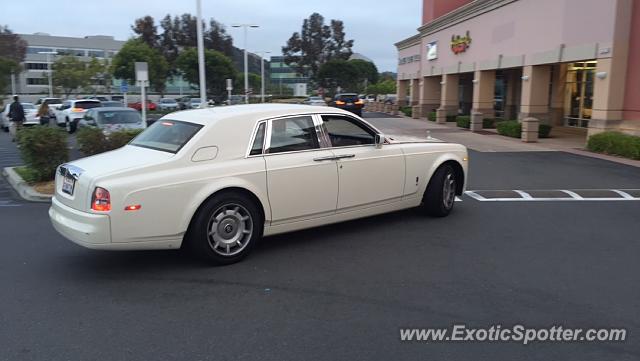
{"points": [[294, 190], [30, 115]]}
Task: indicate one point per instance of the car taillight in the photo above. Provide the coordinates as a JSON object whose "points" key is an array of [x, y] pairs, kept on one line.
{"points": [[339, 102], [101, 200], [359, 102], [77, 110]]}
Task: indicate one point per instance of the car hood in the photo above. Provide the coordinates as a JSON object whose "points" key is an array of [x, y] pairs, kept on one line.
{"points": [[404, 138]]}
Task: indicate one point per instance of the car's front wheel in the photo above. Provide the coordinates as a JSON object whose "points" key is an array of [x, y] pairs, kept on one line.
{"points": [[70, 126], [440, 195], [6, 129], [225, 229]]}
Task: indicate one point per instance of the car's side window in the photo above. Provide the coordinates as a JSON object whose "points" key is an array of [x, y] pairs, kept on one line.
{"points": [[345, 131], [65, 105], [293, 134], [256, 148]]}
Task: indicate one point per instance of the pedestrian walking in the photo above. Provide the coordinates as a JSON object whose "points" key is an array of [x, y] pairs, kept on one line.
{"points": [[16, 117], [43, 114]]}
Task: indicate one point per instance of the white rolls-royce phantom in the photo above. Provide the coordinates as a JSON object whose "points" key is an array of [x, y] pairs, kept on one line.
{"points": [[216, 180]]}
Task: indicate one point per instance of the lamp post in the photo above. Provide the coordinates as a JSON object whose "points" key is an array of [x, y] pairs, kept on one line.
{"points": [[262, 53], [203, 84], [246, 65], [49, 70]]}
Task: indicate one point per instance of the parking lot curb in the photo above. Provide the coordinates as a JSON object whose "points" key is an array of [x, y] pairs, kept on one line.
{"points": [[23, 188]]}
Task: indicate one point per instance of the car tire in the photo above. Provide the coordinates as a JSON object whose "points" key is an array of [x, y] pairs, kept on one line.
{"points": [[439, 198], [70, 126], [6, 129], [225, 229]]}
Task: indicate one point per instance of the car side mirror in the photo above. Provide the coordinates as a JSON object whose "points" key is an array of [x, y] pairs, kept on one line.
{"points": [[379, 140]]}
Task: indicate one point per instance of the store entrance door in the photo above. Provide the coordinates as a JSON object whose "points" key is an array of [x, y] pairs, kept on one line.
{"points": [[578, 103]]}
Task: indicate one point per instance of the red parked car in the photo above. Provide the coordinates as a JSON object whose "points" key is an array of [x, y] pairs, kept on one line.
{"points": [[138, 105]]}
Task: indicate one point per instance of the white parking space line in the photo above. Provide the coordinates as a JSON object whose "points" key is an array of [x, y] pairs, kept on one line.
{"points": [[564, 195]]}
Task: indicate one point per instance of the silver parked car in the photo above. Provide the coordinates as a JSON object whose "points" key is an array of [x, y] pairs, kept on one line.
{"points": [[112, 119], [315, 100]]}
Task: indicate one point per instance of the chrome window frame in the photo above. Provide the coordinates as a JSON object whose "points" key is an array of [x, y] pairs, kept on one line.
{"points": [[253, 138], [358, 121]]}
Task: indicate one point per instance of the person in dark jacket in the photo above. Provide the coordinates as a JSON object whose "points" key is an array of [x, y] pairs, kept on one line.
{"points": [[16, 117]]}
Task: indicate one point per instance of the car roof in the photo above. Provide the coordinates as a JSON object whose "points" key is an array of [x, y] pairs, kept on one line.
{"points": [[249, 113], [110, 109]]}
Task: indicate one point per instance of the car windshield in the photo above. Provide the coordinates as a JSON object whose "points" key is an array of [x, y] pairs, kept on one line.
{"points": [[166, 135], [87, 104], [347, 97], [53, 101], [168, 101], [315, 98], [28, 106], [195, 100], [119, 117]]}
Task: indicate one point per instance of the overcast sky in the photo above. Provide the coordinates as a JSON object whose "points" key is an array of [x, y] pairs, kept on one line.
{"points": [[374, 25]]}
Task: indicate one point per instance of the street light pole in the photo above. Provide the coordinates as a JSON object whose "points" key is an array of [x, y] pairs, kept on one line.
{"points": [[246, 63], [262, 53], [49, 70], [203, 85]]}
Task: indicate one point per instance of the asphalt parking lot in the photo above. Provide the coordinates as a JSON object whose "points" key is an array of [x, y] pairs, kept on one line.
{"points": [[343, 291]]}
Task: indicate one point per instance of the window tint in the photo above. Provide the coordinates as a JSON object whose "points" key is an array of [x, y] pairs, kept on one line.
{"points": [[256, 148], [166, 135], [119, 117], [345, 131], [293, 134], [87, 105], [347, 97]]}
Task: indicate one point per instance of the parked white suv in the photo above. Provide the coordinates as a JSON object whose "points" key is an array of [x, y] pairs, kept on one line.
{"points": [[71, 111]]}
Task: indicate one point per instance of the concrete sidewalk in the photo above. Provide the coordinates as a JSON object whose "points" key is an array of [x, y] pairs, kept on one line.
{"points": [[563, 140]]}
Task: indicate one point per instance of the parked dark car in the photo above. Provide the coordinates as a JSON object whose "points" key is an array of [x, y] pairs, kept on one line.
{"points": [[348, 101]]}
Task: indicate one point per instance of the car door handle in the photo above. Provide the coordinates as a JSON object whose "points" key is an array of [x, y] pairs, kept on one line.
{"points": [[322, 159], [343, 156]]}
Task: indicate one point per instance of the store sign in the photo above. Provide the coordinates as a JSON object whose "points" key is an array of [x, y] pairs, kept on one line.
{"points": [[432, 50], [409, 59], [460, 44]]}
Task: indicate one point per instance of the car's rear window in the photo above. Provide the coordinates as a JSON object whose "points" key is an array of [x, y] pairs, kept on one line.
{"points": [[28, 106], [119, 117], [168, 101], [166, 135], [53, 101], [348, 97], [87, 105]]}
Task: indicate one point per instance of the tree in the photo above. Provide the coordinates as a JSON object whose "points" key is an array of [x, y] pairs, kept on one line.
{"points": [[12, 52], [12, 46], [98, 72], [69, 73], [218, 68], [147, 31], [315, 45], [134, 50], [383, 87], [338, 73], [167, 43], [216, 38], [366, 71], [255, 82]]}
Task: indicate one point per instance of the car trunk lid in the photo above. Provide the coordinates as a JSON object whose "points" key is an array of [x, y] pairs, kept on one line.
{"points": [[75, 181]]}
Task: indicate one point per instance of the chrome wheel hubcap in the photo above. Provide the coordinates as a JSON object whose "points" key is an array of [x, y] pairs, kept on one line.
{"points": [[229, 229], [449, 190]]}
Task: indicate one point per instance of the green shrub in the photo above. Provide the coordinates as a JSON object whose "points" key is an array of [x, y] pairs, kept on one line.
{"points": [[407, 110], [544, 131], [513, 128], [26, 173], [463, 121], [451, 118], [432, 116], [91, 141], [490, 123], [43, 149], [509, 128], [615, 143]]}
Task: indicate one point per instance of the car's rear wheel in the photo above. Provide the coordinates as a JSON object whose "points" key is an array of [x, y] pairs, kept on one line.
{"points": [[6, 129], [225, 229], [440, 195], [70, 126]]}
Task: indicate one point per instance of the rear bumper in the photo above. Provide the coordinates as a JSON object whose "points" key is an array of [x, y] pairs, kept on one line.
{"points": [[86, 229]]}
